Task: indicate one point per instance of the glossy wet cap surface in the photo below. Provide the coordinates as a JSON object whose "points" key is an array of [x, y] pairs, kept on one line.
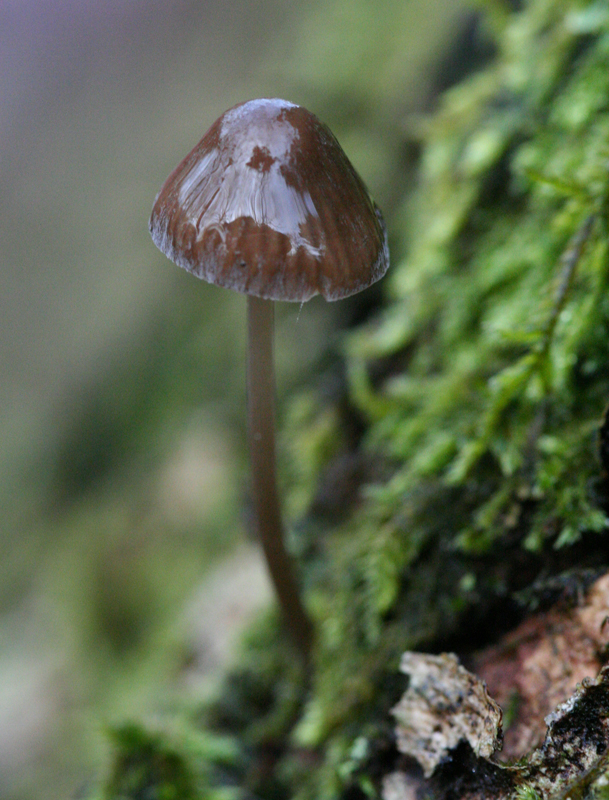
{"points": [[268, 204]]}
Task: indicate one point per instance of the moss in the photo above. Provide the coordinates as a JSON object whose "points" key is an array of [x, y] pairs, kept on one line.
{"points": [[498, 321], [159, 765]]}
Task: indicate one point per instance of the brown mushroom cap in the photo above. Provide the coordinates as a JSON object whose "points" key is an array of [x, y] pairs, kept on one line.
{"points": [[268, 204]]}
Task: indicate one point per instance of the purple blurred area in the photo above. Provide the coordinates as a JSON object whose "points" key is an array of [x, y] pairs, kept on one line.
{"points": [[98, 101], [54, 51]]}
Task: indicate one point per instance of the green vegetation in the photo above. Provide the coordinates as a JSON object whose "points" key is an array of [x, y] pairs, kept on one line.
{"points": [[168, 766]]}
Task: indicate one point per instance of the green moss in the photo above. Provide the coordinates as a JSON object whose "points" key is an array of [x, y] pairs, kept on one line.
{"points": [[499, 309], [526, 793], [163, 766]]}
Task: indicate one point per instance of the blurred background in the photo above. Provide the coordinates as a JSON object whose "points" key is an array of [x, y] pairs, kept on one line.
{"points": [[122, 434]]}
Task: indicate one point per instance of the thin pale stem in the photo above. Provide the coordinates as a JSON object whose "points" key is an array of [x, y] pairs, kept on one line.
{"points": [[267, 511]]}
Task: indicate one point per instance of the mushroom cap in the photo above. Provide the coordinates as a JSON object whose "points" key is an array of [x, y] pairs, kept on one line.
{"points": [[268, 204]]}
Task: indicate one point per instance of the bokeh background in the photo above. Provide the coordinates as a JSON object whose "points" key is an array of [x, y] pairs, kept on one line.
{"points": [[122, 433]]}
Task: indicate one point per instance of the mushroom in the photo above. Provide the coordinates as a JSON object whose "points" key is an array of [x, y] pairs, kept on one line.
{"points": [[269, 205]]}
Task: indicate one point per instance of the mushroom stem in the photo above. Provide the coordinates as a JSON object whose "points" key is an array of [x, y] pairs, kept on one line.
{"points": [[267, 511]]}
